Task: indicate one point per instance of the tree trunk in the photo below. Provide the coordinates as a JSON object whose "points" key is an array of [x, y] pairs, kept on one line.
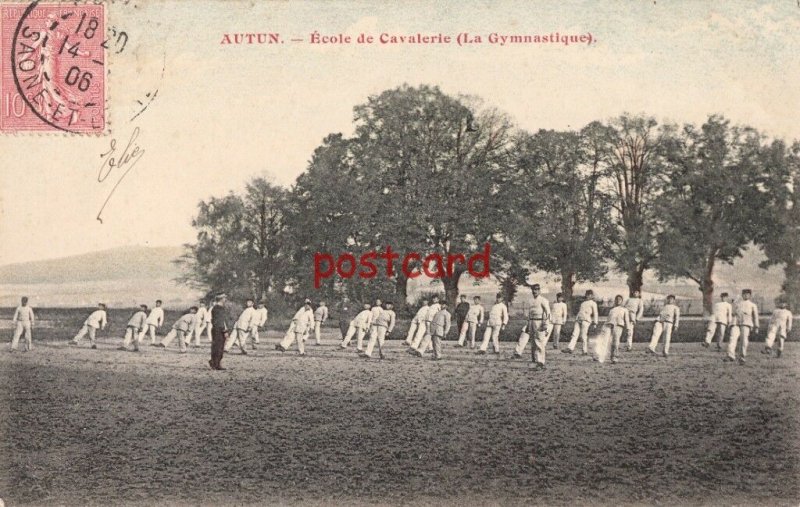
{"points": [[635, 279], [707, 285], [451, 286], [400, 290], [509, 289], [568, 278], [791, 286]]}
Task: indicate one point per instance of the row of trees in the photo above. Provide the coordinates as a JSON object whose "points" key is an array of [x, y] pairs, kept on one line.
{"points": [[432, 173]]}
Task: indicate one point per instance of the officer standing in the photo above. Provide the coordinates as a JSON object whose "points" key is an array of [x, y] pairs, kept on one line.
{"points": [[461, 311], [347, 312], [219, 331]]}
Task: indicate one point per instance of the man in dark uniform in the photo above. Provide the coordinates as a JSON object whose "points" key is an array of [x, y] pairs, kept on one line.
{"points": [[347, 313], [219, 331], [461, 311]]}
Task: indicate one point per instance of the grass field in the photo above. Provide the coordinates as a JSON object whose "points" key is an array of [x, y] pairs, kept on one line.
{"points": [[100, 427]]}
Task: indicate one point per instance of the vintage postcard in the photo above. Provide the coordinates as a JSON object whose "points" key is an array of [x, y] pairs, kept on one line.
{"points": [[352, 252]]}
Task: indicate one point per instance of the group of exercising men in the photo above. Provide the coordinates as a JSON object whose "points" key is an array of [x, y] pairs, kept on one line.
{"points": [[432, 323]]}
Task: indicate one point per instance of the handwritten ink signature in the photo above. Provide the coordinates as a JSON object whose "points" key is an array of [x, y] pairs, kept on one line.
{"points": [[128, 158]]}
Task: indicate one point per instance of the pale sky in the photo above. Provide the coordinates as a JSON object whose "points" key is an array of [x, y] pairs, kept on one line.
{"points": [[225, 113]]}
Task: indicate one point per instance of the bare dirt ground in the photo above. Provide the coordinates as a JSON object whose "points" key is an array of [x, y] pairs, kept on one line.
{"points": [[106, 427]]}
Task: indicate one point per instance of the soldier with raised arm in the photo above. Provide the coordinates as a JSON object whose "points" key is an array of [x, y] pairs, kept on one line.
{"points": [[721, 318], [635, 308], [497, 321], [587, 317], [668, 321]]}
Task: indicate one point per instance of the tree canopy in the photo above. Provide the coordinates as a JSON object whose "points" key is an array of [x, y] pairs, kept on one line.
{"points": [[431, 173]]}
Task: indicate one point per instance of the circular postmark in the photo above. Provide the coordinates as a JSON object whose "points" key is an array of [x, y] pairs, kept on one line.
{"points": [[58, 65]]}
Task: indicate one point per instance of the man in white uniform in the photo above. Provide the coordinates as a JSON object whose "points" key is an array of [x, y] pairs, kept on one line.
{"points": [[471, 322], [619, 319], [320, 316], [154, 322], [424, 330], [382, 326], [721, 318], [746, 320], [427, 339], [133, 330], [23, 323], [97, 320], [259, 322], [203, 323], [558, 317], [358, 326], [587, 317], [440, 326], [302, 324], [416, 322], [780, 325], [538, 319], [375, 312], [181, 329], [242, 327], [668, 321], [497, 321], [635, 308]]}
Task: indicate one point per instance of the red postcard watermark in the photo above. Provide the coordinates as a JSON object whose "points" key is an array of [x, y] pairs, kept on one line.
{"points": [[433, 265]]}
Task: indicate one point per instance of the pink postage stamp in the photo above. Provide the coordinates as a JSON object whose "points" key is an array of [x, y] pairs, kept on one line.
{"points": [[52, 75]]}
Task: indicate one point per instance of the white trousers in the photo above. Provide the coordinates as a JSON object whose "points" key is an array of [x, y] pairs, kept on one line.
{"points": [[427, 342], [376, 335], [658, 329], [422, 330], [151, 330], [608, 342], [132, 334], [295, 336], [470, 328], [242, 335], [412, 330], [359, 333], [237, 336], [774, 332], [733, 341], [202, 327], [23, 327], [492, 333], [540, 339], [86, 329], [175, 333], [197, 332], [581, 330], [629, 331], [555, 333], [317, 329], [193, 335], [254, 335], [712, 329]]}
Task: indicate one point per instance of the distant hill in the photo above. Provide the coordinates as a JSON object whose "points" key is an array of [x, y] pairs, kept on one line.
{"points": [[123, 263], [119, 277]]}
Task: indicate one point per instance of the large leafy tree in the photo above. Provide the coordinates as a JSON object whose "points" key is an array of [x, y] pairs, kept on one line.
{"points": [[430, 161], [419, 174], [782, 243], [334, 210], [238, 241], [633, 144], [713, 201], [563, 219]]}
